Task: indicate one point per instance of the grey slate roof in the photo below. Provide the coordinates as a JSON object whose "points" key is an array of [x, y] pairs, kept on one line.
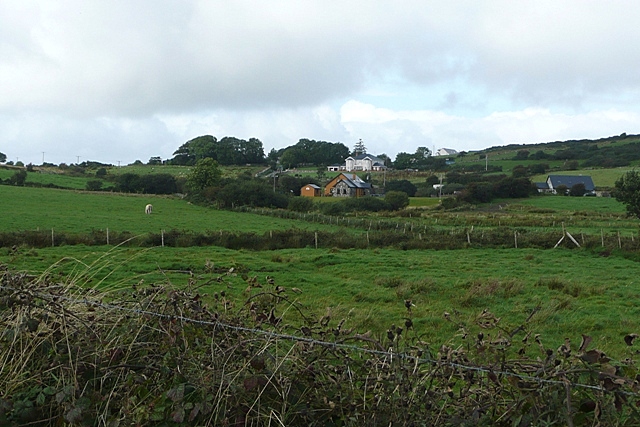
{"points": [[355, 182], [365, 155], [571, 180], [542, 185]]}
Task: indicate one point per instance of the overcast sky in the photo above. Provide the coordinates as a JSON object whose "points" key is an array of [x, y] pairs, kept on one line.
{"points": [[120, 80]]}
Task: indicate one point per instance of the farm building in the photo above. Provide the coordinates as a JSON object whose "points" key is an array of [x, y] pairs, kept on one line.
{"points": [[568, 181], [311, 190], [347, 185], [542, 187]]}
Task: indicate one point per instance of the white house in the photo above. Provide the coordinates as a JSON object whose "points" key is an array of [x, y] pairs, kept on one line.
{"points": [[445, 152], [364, 162]]}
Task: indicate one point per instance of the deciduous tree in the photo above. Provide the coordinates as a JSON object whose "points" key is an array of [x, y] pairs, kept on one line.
{"points": [[205, 174], [396, 200], [627, 191]]}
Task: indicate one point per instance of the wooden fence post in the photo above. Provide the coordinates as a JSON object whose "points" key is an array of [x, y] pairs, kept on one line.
{"points": [[107, 236], [162, 237], [52, 239], [316, 239]]}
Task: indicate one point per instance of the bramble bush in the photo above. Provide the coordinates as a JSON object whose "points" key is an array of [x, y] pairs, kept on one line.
{"points": [[155, 355]]}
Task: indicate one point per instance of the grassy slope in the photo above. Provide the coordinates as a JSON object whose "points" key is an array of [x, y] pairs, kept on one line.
{"points": [[369, 287], [42, 208], [78, 183], [601, 177], [574, 300]]}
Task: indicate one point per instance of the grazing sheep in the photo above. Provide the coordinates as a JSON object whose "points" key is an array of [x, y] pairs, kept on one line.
{"points": [[148, 209]]}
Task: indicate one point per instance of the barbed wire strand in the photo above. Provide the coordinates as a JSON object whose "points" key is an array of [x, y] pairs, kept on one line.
{"points": [[289, 337]]}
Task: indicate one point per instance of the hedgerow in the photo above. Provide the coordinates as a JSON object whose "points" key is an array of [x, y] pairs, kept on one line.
{"points": [[155, 355]]}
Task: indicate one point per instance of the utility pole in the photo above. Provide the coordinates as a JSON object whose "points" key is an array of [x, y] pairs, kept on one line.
{"points": [[77, 160], [486, 162], [43, 158]]}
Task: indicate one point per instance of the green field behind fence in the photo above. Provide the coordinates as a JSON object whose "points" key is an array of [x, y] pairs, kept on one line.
{"points": [[574, 292], [27, 208]]}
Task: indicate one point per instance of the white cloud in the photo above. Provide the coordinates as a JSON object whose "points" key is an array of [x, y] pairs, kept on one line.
{"points": [[145, 76]]}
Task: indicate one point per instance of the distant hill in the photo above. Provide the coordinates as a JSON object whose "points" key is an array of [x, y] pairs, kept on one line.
{"points": [[610, 152]]}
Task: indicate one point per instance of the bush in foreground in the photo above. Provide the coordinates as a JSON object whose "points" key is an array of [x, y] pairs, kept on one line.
{"points": [[161, 356]]}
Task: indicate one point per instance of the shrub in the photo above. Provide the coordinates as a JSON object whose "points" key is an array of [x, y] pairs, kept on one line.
{"points": [[72, 356], [19, 177], [403, 185], [250, 193], [300, 204], [94, 185], [396, 200]]}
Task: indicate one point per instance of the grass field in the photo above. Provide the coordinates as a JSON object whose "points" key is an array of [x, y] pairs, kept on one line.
{"points": [[44, 178], [574, 292], [574, 204], [602, 178], [561, 285], [63, 210]]}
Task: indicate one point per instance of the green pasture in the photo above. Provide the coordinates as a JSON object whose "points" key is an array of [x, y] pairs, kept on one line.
{"points": [[26, 208], [602, 178], [180, 171], [423, 202], [48, 177], [570, 292], [573, 204], [505, 162]]}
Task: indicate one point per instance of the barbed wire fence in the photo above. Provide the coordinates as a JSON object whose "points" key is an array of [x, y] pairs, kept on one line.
{"points": [[329, 344]]}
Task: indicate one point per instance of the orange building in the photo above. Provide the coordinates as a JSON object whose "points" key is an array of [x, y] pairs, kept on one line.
{"points": [[310, 190]]}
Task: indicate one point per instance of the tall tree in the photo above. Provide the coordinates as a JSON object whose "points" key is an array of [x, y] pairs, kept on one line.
{"points": [[403, 161], [359, 148], [205, 174], [3, 157], [627, 191], [195, 149]]}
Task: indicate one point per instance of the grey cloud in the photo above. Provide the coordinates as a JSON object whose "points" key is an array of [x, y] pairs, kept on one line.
{"points": [[148, 75]]}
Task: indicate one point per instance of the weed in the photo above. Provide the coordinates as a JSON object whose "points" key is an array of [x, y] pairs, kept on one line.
{"points": [[389, 282]]}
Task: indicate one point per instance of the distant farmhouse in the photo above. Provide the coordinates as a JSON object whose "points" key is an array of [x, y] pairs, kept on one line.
{"points": [[445, 152], [348, 185], [567, 181], [360, 162]]}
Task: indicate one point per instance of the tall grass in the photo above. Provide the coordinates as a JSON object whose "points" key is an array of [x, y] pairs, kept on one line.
{"points": [[370, 286], [153, 354]]}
